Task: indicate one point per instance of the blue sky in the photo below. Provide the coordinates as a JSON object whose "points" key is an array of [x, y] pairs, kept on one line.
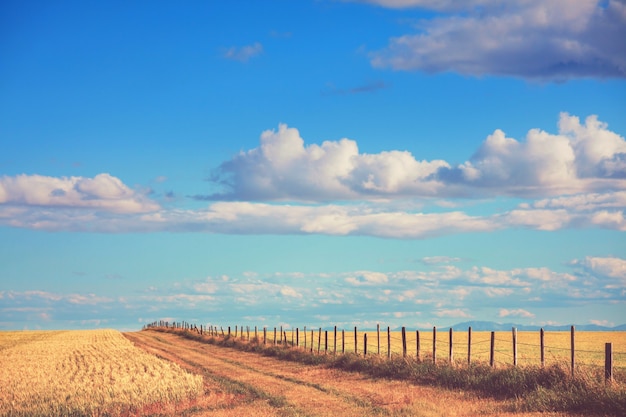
{"points": [[402, 162]]}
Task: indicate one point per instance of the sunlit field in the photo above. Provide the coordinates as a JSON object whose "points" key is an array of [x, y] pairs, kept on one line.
{"points": [[95, 372], [589, 347]]}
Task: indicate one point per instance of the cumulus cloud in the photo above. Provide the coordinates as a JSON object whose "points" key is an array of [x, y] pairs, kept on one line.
{"points": [[102, 192], [581, 157], [243, 53], [535, 39], [283, 168], [577, 174]]}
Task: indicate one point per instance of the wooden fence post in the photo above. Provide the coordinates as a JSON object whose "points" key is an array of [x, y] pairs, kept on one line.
{"points": [[256, 336], [312, 341], [297, 337], [378, 336], [450, 350], [608, 362], [573, 331], [304, 337], [403, 342], [355, 341], [417, 344], [335, 341], [492, 349], [343, 341], [469, 346], [514, 331], [264, 335], [325, 342], [274, 336], [434, 344], [228, 331], [542, 347], [388, 343]]}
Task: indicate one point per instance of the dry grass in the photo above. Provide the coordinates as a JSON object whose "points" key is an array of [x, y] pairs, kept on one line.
{"points": [[85, 373], [377, 386]]}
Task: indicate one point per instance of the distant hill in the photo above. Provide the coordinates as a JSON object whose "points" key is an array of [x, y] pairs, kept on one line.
{"points": [[481, 326]]}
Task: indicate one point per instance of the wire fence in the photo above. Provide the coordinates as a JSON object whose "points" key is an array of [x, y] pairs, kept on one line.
{"points": [[573, 349]]}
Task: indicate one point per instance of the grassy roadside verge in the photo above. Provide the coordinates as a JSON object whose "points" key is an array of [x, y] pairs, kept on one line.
{"points": [[534, 388]]}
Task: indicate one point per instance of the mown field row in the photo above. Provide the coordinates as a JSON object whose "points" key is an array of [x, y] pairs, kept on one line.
{"points": [[85, 373]]}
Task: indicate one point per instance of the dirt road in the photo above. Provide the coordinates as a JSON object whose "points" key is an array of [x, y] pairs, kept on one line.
{"points": [[248, 384]]}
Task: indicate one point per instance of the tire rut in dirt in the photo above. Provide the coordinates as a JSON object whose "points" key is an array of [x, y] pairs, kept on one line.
{"points": [[286, 392]]}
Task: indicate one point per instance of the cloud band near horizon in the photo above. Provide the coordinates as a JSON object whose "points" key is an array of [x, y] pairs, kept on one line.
{"points": [[573, 179], [426, 296]]}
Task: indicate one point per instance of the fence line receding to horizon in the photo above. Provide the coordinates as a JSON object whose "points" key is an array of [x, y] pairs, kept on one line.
{"points": [[523, 348]]}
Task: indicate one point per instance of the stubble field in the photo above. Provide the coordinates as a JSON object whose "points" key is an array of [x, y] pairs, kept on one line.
{"points": [[105, 373], [85, 373]]}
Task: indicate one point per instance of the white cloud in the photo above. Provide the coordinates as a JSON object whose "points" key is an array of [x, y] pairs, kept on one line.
{"points": [[290, 292], [581, 157], [605, 323], [448, 292], [283, 168], [431, 4], [537, 39], [244, 53], [498, 292], [610, 267], [89, 299], [337, 220], [434, 260], [515, 313], [544, 274], [50, 297], [493, 277], [103, 192], [499, 280], [368, 278], [576, 172], [584, 202], [208, 286], [455, 313], [189, 300]]}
